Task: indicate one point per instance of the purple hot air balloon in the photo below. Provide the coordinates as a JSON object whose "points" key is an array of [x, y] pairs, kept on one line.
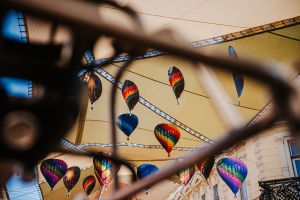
{"points": [[53, 170], [233, 171]]}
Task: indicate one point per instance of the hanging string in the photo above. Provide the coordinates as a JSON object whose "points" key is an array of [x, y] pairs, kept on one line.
{"points": [[102, 190]]}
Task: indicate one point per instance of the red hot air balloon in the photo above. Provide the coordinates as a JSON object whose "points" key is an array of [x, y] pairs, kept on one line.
{"points": [[88, 184], [167, 135], [104, 167], [206, 166], [71, 178], [186, 174], [130, 93], [53, 170], [176, 81]]}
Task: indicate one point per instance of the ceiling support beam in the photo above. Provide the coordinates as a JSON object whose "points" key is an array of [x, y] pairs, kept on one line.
{"points": [[81, 120]]}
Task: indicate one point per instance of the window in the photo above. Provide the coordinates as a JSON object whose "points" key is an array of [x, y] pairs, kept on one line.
{"points": [[295, 156], [203, 197], [216, 192]]}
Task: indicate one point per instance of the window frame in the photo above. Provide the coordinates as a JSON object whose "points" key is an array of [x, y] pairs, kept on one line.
{"points": [[293, 158], [216, 192]]}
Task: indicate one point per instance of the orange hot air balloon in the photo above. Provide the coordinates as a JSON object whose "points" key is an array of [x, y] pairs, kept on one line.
{"points": [[94, 86], [71, 178]]}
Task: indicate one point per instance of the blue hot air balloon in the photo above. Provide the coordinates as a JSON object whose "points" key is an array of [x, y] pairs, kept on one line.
{"points": [[146, 170], [237, 77], [127, 123]]}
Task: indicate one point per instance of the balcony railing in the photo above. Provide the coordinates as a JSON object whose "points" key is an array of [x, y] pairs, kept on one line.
{"points": [[280, 189]]}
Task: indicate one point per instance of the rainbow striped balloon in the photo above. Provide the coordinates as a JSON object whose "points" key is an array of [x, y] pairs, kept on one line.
{"points": [[53, 170], [88, 184], [130, 93], [186, 174], [176, 81], [103, 167], [167, 135], [233, 171], [98, 178], [206, 166]]}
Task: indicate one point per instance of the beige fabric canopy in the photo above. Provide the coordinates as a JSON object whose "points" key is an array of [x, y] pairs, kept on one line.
{"points": [[195, 20]]}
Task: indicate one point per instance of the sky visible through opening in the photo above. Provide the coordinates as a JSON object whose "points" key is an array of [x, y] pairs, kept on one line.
{"points": [[17, 189]]}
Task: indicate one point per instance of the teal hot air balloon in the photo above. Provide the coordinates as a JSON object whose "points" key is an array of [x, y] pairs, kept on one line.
{"points": [[233, 172], [146, 170], [53, 170], [176, 81], [127, 123], [237, 77], [71, 178]]}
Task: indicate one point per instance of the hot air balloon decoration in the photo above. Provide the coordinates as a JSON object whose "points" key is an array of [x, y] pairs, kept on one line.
{"points": [[233, 171], [104, 167], [100, 182], [98, 178], [186, 174], [53, 170], [88, 184], [237, 77], [206, 166], [94, 86], [146, 170], [176, 81], [130, 93], [167, 135], [127, 123], [71, 178]]}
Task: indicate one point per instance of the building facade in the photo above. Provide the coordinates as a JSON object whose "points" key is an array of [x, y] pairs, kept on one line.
{"points": [[272, 155]]}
